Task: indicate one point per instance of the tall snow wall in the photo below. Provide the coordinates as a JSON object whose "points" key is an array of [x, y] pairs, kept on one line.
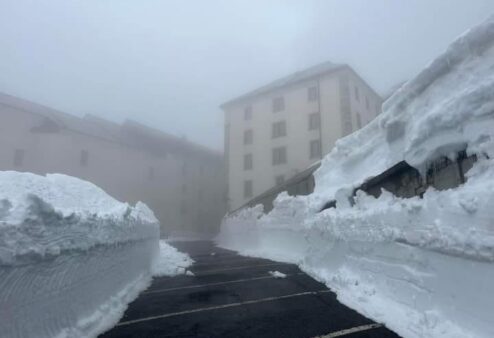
{"points": [[71, 257], [423, 266]]}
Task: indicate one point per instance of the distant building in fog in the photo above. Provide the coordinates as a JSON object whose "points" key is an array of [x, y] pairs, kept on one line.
{"points": [[182, 182], [280, 129]]}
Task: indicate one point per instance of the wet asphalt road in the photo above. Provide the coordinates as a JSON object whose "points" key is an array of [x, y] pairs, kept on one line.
{"points": [[235, 296]]}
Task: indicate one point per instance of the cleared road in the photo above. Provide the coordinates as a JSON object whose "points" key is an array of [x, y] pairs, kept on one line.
{"points": [[235, 296]]}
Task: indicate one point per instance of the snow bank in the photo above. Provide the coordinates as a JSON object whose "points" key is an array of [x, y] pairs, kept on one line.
{"points": [[424, 267], [71, 257], [171, 262]]}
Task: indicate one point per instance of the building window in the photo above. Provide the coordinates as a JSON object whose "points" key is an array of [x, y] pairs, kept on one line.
{"points": [[279, 155], [183, 208], [248, 162], [357, 94], [151, 174], [248, 113], [367, 105], [279, 129], [248, 136], [313, 93], [184, 169], [19, 157], [280, 179], [348, 127], [359, 121], [84, 159], [314, 121], [248, 189], [278, 104], [184, 188], [315, 149], [378, 109]]}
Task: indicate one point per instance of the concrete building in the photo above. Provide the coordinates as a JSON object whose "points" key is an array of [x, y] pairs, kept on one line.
{"points": [[280, 129], [183, 183]]}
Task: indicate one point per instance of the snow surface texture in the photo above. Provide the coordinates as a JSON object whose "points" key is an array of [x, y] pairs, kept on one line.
{"points": [[171, 262], [424, 267], [72, 257], [277, 274]]}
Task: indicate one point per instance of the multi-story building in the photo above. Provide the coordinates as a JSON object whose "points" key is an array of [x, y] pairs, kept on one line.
{"points": [[183, 183], [280, 129]]}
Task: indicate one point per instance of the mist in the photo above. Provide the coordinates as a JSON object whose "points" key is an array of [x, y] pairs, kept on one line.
{"points": [[170, 64]]}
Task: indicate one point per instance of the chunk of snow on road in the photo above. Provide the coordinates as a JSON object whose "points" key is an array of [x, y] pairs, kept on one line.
{"points": [[277, 274], [189, 273], [71, 257], [421, 266], [170, 261]]}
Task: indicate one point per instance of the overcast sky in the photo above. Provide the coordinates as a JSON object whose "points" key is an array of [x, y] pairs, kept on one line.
{"points": [[170, 64]]}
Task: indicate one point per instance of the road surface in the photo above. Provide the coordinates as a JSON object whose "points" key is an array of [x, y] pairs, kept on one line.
{"points": [[235, 296]]}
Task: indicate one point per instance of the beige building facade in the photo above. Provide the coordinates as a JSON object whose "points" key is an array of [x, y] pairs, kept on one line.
{"points": [[183, 183], [278, 130]]}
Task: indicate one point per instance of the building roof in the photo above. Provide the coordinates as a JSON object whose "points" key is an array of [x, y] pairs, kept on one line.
{"points": [[129, 133], [311, 72]]}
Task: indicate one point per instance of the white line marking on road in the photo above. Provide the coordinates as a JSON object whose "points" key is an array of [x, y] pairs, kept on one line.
{"points": [[216, 284], [352, 330], [248, 302], [206, 272]]}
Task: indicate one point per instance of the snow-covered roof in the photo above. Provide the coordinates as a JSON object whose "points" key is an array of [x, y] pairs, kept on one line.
{"points": [[317, 70]]}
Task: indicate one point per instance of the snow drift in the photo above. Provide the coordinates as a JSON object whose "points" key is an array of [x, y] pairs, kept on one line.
{"points": [[423, 266], [71, 257]]}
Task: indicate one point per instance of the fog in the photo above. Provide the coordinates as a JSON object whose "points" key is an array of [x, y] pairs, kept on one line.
{"points": [[170, 64]]}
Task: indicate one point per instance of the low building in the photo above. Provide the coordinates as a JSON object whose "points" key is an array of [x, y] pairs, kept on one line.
{"points": [[183, 183], [283, 128]]}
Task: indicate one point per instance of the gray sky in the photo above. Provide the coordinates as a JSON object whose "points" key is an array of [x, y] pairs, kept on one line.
{"points": [[170, 64]]}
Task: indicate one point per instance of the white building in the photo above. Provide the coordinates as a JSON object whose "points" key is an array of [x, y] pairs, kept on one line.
{"points": [[182, 182], [280, 129]]}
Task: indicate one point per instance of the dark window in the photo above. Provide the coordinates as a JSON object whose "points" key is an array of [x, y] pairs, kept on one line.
{"points": [[357, 94], [279, 179], [150, 174], [279, 129], [84, 160], [314, 121], [367, 103], [183, 208], [278, 104], [248, 113], [248, 136], [248, 189], [359, 121], [19, 157], [279, 155], [184, 169], [248, 162], [184, 188], [313, 93], [315, 149], [348, 127]]}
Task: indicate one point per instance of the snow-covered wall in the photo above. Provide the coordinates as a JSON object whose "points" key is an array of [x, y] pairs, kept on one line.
{"points": [[71, 257], [424, 267]]}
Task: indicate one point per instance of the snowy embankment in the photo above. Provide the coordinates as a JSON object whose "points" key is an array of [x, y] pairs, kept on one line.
{"points": [[424, 267], [72, 257]]}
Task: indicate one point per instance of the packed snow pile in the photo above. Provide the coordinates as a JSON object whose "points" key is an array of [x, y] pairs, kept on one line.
{"points": [[71, 257], [423, 266], [171, 262]]}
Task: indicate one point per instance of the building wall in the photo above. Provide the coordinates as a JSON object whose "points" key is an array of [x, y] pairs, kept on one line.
{"points": [[298, 136], [126, 173]]}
